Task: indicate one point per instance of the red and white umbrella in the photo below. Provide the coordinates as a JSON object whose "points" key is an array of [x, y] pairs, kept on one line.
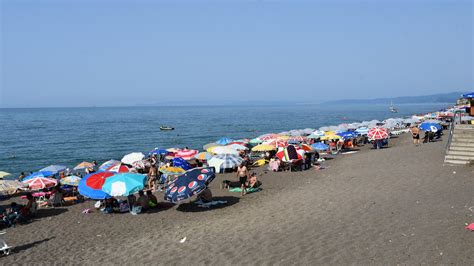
{"points": [[377, 133], [299, 138], [40, 182], [268, 137], [119, 168], [277, 143], [186, 154]]}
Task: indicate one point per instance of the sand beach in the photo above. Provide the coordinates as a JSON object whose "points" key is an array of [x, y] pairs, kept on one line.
{"points": [[397, 205]]}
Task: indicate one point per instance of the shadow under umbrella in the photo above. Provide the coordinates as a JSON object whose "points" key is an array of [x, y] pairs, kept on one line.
{"points": [[195, 207]]}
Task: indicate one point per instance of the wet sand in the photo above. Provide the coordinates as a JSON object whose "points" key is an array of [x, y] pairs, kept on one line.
{"points": [[397, 205]]}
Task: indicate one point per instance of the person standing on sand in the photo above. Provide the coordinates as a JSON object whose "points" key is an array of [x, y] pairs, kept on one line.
{"points": [[152, 174], [415, 133], [242, 175]]}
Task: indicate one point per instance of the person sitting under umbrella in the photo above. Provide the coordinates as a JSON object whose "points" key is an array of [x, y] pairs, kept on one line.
{"points": [[152, 200], [205, 196], [142, 201]]}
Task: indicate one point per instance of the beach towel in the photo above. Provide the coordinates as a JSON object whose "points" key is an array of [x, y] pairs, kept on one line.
{"points": [[249, 190], [470, 227], [210, 204]]}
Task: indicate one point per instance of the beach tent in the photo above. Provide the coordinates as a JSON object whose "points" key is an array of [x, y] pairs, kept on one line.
{"points": [[189, 184]]}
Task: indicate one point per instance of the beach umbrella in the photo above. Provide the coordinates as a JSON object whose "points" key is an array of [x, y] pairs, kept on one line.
{"points": [[189, 184], [54, 169], [237, 147], [172, 170], [263, 147], [429, 126], [96, 180], [10, 187], [229, 161], [4, 174], [298, 138], [186, 154], [320, 146], [37, 183], [222, 150], [268, 136], [277, 143], [38, 174], [158, 151], [140, 164], [203, 156], [288, 154], [71, 180], [180, 162], [330, 137], [362, 130], [255, 141], [117, 168], [132, 157], [210, 145], [224, 141], [316, 134], [348, 134], [124, 184], [108, 164], [90, 192], [377, 133], [84, 165], [306, 147]]}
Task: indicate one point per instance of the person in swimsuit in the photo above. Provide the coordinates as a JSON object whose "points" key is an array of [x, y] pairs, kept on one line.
{"points": [[415, 133], [242, 174], [152, 173]]}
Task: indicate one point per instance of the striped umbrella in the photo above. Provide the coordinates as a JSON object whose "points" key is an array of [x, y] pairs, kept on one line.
{"points": [[96, 180], [269, 136], [9, 187], [71, 180], [118, 168], [229, 160], [376, 133], [222, 150], [277, 143], [299, 138], [108, 164], [84, 165], [40, 182], [203, 156], [186, 154]]}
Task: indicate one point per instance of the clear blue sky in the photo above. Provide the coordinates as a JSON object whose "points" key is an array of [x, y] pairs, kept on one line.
{"points": [[103, 53]]}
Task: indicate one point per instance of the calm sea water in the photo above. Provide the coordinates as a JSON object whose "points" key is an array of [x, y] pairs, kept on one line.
{"points": [[31, 139]]}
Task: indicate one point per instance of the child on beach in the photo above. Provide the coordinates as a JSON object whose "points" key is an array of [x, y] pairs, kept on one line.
{"points": [[415, 133]]}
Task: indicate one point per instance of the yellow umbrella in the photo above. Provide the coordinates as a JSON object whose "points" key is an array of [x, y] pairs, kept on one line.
{"points": [[328, 137], [263, 147], [3, 174], [260, 162], [172, 170]]}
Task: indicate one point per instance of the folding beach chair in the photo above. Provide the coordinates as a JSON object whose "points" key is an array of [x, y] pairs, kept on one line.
{"points": [[4, 248]]}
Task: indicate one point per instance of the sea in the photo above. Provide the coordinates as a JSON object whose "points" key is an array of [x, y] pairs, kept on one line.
{"points": [[31, 139]]}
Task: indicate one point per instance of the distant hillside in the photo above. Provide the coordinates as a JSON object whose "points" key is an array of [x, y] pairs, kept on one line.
{"points": [[435, 98]]}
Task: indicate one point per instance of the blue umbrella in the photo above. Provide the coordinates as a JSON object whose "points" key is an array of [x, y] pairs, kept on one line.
{"points": [[38, 174], [320, 146], [89, 192], [224, 141], [189, 184], [158, 151], [54, 168], [124, 184], [348, 134], [429, 126], [468, 95], [180, 162]]}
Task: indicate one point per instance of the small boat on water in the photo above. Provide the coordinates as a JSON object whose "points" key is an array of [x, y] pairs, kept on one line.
{"points": [[166, 128], [392, 108]]}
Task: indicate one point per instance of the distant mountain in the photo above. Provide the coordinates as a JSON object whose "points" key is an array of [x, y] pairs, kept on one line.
{"points": [[434, 98]]}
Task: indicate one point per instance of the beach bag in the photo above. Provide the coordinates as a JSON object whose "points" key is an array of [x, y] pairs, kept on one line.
{"points": [[136, 210], [124, 207]]}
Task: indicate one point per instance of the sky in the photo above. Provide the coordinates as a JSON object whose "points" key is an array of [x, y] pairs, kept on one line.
{"points": [[117, 53]]}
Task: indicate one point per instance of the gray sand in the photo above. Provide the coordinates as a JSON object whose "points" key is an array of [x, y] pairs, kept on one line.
{"points": [[389, 206]]}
